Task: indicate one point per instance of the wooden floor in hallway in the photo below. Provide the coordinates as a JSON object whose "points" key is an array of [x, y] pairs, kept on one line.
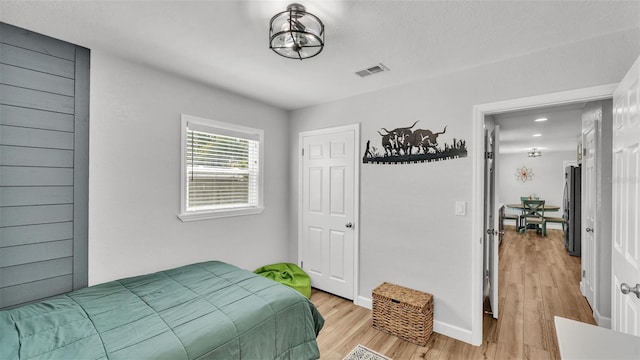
{"points": [[538, 280]]}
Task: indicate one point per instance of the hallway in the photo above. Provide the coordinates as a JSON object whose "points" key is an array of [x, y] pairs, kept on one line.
{"points": [[538, 280]]}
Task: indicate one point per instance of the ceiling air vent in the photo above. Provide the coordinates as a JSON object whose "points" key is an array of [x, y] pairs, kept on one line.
{"points": [[372, 70]]}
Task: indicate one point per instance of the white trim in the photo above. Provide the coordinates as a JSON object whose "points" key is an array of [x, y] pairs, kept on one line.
{"points": [[194, 216], [602, 321], [356, 195], [365, 302], [228, 212], [479, 112], [438, 326], [452, 331]]}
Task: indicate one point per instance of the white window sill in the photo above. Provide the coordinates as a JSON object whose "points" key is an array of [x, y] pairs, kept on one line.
{"points": [[205, 215]]}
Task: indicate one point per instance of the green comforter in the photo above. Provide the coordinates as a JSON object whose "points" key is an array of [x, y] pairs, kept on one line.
{"points": [[209, 310]]}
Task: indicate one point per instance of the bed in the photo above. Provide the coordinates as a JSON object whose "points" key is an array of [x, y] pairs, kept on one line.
{"points": [[209, 310]]}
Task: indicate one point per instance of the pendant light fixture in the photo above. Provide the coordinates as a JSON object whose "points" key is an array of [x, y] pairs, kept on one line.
{"points": [[534, 153], [296, 34]]}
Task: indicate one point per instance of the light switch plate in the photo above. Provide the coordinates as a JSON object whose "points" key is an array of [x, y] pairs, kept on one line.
{"points": [[461, 208]]}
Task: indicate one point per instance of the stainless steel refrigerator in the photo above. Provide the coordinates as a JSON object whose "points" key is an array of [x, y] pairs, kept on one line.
{"points": [[572, 210]]}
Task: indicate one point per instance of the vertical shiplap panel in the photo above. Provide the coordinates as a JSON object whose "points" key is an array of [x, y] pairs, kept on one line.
{"points": [[44, 134]]}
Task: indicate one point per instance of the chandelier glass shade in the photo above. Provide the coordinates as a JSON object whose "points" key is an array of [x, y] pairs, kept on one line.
{"points": [[296, 34]]}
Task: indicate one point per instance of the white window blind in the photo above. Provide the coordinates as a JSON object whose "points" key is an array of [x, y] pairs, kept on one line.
{"points": [[221, 169]]}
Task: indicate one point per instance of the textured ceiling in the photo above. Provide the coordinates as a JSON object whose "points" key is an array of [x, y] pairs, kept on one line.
{"points": [[224, 43]]}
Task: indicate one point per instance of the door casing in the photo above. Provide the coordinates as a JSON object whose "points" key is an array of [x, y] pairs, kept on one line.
{"points": [[477, 206]]}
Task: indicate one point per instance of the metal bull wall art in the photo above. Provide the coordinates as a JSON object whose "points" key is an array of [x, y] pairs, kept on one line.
{"points": [[404, 145]]}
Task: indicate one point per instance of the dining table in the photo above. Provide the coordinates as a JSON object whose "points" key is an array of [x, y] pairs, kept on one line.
{"points": [[547, 207], [520, 206]]}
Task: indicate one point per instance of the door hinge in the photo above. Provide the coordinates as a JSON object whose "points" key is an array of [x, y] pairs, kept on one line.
{"points": [[301, 264], [302, 151], [486, 273], [584, 273], [488, 154], [584, 152]]}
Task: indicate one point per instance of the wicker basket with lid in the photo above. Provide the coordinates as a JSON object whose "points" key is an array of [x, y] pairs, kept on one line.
{"points": [[403, 312]]}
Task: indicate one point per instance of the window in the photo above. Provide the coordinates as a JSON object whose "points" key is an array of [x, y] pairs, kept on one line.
{"points": [[221, 169]]}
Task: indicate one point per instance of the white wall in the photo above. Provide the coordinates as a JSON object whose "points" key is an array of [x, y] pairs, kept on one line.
{"points": [[134, 184], [408, 231], [547, 182]]}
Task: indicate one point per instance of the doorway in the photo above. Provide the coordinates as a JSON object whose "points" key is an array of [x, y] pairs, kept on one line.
{"points": [[480, 111], [328, 217]]}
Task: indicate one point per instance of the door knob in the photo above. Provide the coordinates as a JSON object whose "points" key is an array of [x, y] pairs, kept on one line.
{"points": [[625, 288], [348, 225], [589, 230]]}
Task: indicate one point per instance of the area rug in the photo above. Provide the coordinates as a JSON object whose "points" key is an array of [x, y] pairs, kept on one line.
{"points": [[363, 353]]}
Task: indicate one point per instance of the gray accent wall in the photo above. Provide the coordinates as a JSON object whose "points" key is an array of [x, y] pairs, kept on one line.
{"points": [[44, 161]]}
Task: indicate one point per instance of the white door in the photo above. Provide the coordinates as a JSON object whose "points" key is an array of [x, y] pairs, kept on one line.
{"points": [[492, 220], [626, 204], [328, 210], [589, 215]]}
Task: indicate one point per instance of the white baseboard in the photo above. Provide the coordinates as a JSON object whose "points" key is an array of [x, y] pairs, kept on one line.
{"points": [[602, 321], [452, 331], [438, 326], [364, 302]]}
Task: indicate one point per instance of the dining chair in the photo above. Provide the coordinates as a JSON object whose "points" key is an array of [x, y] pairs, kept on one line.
{"points": [[520, 220], [534, 215], [505, 216]]}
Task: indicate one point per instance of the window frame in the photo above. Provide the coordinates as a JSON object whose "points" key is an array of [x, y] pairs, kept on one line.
{"points": [[185, 215]]}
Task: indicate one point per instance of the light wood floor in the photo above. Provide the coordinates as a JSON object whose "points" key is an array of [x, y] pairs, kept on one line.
{"points": [[538, 280]]}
